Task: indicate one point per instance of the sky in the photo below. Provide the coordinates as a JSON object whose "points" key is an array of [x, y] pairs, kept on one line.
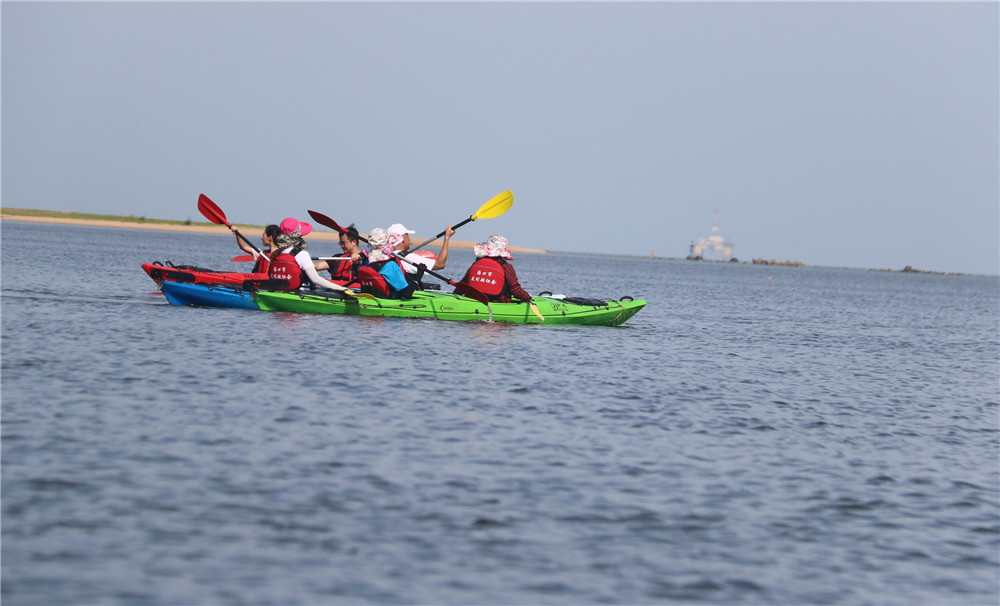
{"points": [[848, 134]]}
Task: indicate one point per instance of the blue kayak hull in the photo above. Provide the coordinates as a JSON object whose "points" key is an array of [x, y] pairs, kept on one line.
{"points": [[207, 295]]}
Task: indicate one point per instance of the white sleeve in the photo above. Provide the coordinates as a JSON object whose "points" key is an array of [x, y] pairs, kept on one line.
{"points": [[318, 281], [413, 259], [304, 259]]}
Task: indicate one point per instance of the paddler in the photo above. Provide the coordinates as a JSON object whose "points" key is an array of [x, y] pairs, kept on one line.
{"points": [[345, 270], [291, 260], [381, 273], [492, 273], [412, 260], [271, 232]]}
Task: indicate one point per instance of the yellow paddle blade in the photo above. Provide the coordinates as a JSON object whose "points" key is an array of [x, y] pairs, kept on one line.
{"points": [[358, 294], [534, 308], [497, 206]]}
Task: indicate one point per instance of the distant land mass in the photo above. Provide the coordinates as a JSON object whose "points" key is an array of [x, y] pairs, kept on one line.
{"points": [[204, 227], [143, 222]]}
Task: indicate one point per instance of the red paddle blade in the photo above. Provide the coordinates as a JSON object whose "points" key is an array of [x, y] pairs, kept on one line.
{"points": [[326, 221], [242, 258], [211, 211]]}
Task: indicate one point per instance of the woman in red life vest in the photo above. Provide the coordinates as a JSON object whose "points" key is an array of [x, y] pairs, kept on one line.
{"points": [[492, 275], [290, 261], [267, 239]]}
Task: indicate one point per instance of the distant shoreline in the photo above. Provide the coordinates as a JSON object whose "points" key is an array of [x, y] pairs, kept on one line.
{"points": [[251, 231]]}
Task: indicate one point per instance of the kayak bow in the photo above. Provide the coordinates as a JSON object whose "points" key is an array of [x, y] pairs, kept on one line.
{"points": [[207, 295], [189, 273]]}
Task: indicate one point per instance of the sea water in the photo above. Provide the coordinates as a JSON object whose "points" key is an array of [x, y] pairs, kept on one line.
{"points": [[755, 435]]}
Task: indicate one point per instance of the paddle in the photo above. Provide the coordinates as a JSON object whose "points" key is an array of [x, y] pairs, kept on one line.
{"points": [[214, 214], [534, 308], [461, 288], [328, 222], [497, 206], [245, 258], [357, 294], [283, 285]]}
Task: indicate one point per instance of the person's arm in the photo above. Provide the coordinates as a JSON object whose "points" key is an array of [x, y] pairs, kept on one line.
{"points": [[512, 284], [306, 265], [243, 245], [443, 255], [318, 281]]}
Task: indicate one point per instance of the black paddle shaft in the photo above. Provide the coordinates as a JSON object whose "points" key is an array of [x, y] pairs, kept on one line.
{"points": [[328, 222], [214, 214], [453, 227], [249, 243]]}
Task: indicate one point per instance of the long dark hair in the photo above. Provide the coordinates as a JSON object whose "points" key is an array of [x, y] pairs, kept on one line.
{"points": [[272, 231]]}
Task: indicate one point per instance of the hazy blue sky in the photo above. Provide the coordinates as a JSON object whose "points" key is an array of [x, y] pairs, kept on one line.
{"points": [[840, 134]]}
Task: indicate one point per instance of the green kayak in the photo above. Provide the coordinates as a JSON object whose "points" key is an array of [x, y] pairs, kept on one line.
{"points": [[449, 306]]}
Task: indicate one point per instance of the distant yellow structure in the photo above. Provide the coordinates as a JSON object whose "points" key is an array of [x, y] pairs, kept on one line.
{"points": [[715, 241]]}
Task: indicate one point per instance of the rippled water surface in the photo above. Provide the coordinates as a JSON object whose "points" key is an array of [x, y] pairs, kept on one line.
{"points": [[755, 435]]}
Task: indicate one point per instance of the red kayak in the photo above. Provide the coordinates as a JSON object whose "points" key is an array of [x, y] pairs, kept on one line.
{"points": [[201, 275], [190, 273]]}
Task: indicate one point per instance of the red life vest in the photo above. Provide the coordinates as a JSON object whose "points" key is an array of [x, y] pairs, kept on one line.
{"points": [[486, 275], [283, 266], [260, 267], [341, 270], [372, 282]]}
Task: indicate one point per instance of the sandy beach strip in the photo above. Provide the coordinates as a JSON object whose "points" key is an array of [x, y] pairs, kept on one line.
{"points": [[250, 231]]}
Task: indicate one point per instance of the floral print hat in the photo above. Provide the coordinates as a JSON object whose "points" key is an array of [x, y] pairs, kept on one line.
{"points": [[380, 245], [495, 246]]}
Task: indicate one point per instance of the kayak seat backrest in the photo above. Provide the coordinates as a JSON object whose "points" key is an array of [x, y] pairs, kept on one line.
{"points": [[486, 275], [372, 282]]}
